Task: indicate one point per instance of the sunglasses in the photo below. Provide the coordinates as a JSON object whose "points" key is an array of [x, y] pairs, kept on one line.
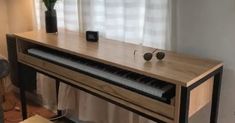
{"points": [[149, 55]]}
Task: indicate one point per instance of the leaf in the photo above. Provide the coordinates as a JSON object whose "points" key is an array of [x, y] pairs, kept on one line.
{"points": [[50, 4]]}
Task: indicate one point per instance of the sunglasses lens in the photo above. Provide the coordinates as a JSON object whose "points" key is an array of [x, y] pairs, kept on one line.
{"points": [[148, 56], [160, 55]]}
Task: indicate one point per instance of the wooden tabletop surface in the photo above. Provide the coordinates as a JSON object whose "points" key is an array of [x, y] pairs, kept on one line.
{"points": [[175, 68]]}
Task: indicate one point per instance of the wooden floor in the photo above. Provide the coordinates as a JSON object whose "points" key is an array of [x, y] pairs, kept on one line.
{"points": [[14, 116]]}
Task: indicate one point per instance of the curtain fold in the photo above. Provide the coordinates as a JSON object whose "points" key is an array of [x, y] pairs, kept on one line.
{"points": [[143, 22]]}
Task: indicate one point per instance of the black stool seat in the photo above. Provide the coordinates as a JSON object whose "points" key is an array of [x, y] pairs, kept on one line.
{"points": [[4, 68], [4, 71]]}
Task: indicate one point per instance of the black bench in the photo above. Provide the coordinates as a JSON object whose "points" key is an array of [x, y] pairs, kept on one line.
{"points": [[4, 71]]}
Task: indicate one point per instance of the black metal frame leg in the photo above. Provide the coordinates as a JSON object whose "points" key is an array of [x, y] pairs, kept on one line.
{"points": [[216, 97], [22, 96], [184, 105], [24, 101]]}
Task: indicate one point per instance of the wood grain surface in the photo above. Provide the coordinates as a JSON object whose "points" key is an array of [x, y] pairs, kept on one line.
{"points": [[175, 68]]}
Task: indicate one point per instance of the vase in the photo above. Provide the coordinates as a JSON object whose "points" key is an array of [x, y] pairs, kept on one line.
{"points": [[51, 21]]}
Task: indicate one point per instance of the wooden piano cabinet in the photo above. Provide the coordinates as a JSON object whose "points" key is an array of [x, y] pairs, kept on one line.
{"points": [[197, 80]]}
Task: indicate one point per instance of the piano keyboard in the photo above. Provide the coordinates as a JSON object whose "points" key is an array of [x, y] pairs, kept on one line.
{"points": [[140, 84]]}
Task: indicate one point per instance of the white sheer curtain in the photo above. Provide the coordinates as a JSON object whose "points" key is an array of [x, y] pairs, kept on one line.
{"points": [[137, 21], [144, 22]]}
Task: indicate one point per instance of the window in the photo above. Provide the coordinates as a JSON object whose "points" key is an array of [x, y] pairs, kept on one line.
{"points": [[145, 22]]}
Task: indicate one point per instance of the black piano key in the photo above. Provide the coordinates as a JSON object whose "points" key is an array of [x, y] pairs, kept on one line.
{"points": [[136, 77], [95, 64], [81, 61], [150, 82], [117, 71], [106, 68], [158, 84], [145, 80], [100, 67], [162, 85], [133, 76], [140, 78], [122, 73], [127, 74], [111, 69], [78, 61], [155, 84], [92, 64]]}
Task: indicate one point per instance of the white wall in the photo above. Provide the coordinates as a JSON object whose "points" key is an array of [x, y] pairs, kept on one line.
{"points": [[3, 27], [206, 28], [15, 16], [20, 15]]}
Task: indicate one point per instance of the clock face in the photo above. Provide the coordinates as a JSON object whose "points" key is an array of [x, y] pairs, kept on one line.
{"points": [[92, 36]]}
